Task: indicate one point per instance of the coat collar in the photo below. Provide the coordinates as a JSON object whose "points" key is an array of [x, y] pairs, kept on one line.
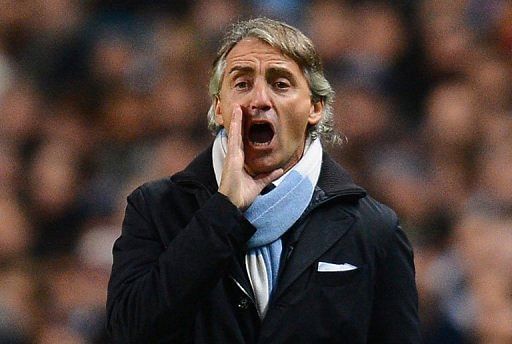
{"points": [[334, 180]]}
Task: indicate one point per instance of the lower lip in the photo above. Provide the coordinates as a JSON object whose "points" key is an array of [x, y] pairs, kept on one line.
{"points": [[262, 146]]}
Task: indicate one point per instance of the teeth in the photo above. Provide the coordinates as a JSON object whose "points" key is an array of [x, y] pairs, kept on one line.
{"points": [[260, 143]]}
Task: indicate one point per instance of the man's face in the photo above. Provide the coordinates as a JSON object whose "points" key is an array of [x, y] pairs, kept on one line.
{"points": [[276, 104]]}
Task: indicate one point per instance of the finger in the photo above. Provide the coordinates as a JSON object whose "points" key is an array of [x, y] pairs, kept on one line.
{"points": [[236, 127], [234, 132]]}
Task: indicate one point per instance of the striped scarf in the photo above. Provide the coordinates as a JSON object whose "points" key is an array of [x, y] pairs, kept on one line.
{"points": [[273, 214]]}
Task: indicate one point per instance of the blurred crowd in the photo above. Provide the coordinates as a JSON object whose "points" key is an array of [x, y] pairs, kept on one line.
{"points": [[97, 97]]}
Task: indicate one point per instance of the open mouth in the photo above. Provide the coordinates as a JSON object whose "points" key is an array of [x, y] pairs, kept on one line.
{"points": [[260, 134]]}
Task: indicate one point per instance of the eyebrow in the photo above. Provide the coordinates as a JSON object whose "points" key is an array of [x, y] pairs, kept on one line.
{"points": [[274, 72], [241, 69], [280, 72]]}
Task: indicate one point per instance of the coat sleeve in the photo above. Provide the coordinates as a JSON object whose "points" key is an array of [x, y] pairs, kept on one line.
{"points": [[154, 290], [395, 309]]}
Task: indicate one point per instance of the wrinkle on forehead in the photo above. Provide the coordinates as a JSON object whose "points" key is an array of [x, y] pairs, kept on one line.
{"points": [[252, 52]]}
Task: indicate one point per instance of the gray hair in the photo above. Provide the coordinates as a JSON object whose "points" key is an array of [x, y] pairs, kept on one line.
{"points": [[292, 43]]}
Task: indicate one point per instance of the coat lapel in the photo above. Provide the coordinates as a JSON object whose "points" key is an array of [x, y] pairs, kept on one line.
{"points": [[320, 234], [322, 231]]}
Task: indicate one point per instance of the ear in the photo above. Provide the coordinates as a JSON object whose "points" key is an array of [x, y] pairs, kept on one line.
{"points": [[219, 119], [316, 112]]}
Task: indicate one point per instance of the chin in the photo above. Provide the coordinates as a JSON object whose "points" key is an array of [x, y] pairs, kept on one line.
{"points": [[257, 170], [256, 167], [260, 161]]}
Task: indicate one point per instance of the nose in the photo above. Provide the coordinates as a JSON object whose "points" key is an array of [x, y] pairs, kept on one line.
{"points": [[260, 98]]}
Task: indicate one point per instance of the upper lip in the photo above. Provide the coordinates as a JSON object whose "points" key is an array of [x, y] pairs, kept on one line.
{"points": [[258, 118], [251, 122]]}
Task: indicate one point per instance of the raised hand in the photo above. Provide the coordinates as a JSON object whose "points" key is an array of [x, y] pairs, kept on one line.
{"points": [[240, 187]]}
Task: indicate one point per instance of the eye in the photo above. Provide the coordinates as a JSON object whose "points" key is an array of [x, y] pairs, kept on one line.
{"points": [[281, 85], [241, 85]]}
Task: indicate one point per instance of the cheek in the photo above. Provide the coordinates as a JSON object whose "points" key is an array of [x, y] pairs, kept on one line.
{"points": [[297, 120], [294, 131]]}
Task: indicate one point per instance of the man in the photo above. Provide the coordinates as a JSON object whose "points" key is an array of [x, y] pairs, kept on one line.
{"points": [[262, 238]]}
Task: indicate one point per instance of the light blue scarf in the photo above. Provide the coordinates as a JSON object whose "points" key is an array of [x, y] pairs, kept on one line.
{"points": [[273, 214]]}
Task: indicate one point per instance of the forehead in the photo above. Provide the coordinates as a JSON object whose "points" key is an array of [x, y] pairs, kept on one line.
{"points": [[251, 51]]}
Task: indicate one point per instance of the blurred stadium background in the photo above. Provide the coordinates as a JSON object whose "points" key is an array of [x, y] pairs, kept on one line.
{"points": [[97, 97]]}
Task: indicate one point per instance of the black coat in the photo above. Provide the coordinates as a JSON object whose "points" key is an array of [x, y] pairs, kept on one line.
{"points": [[178, 275]]}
